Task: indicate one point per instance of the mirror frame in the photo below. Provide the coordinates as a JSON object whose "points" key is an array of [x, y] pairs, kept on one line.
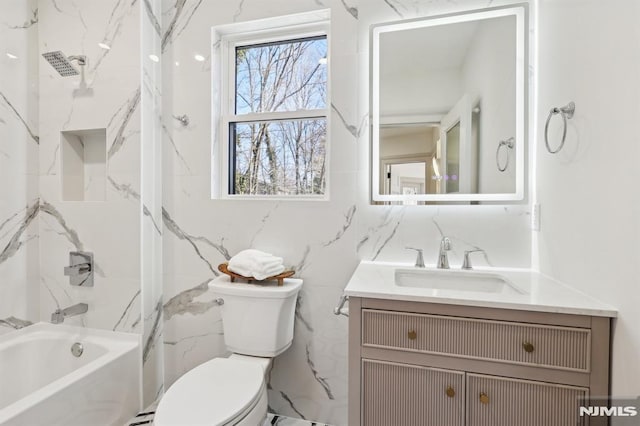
{"points": [[520, 11]]}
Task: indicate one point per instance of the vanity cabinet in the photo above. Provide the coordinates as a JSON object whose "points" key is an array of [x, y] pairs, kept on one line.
{"points": [[421, 364]]}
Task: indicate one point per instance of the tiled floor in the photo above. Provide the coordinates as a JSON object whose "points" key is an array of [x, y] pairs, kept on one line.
{"points": [[146, 419], [273, 419]]}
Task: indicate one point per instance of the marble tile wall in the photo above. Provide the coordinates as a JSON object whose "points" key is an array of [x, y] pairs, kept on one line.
{"points": [[19, 141], [323, 241], [37, 227], [105, 96]]}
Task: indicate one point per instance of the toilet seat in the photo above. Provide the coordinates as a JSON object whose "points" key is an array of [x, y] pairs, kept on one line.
{"points": [[218, 392]]}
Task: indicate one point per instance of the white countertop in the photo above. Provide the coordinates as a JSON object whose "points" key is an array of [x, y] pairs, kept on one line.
{"points": [[539, 293]]}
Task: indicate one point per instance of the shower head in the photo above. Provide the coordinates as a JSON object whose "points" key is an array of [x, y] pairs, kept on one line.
{"points": [[62, 64]]}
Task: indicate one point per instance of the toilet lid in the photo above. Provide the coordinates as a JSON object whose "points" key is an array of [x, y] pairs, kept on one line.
{"points": [[213, 393]]}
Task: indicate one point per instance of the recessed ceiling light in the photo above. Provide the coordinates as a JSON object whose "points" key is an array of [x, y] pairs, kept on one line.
{"points": [[104, 46], [154, 58], [199, 58], [177, 64], [11, 56]]}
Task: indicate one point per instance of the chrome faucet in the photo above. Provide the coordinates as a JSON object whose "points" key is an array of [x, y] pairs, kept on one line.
{"points": [[466, 263], [59, 315], [443, 259], [80, 269], [419, 258]]}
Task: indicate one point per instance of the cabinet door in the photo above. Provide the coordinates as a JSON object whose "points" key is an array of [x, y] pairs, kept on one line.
{"points": [[410, 395], [499, 401]]}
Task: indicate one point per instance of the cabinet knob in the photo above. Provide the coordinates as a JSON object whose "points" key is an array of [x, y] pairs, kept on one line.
{"points": [[450, 392], [484, 398], [412, 335], [528, 347]]}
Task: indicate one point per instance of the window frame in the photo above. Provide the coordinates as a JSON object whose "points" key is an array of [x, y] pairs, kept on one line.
{"points": [[225, 40]]}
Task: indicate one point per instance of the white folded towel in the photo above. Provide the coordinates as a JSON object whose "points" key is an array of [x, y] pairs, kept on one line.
{"points": [[266, 273], [260, 256], [256, 263], [245, 263]]}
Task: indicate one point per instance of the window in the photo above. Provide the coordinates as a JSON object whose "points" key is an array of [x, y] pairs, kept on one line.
{"points": [[274, 108]]}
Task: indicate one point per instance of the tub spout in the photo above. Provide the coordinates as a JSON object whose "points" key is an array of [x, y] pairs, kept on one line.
{"points": [[60, 314]]}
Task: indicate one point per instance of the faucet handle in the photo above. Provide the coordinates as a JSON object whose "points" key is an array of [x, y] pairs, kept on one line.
{"points": [[445, 243], [75, 270], [443, 259], [80, 269], [466, 263], [419, 258]]}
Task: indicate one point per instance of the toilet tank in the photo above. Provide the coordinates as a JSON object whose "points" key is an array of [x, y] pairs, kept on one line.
{"points": [[257, 319]]}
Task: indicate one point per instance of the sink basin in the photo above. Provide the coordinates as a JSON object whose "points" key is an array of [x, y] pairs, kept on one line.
{"points": [[455, 280]]}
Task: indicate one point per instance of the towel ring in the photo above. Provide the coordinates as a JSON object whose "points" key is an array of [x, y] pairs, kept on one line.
{"points": [[506, 143], [566, 111]]}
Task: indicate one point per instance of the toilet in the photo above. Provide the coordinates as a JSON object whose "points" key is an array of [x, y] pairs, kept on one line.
{"points": [[258, 325]]}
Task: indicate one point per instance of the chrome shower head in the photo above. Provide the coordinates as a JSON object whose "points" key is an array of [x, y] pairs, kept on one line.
{"points": [[62, 64]]}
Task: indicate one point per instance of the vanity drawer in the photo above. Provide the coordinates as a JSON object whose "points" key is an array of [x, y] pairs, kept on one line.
{"points": [[502, 401], [562, 348]]}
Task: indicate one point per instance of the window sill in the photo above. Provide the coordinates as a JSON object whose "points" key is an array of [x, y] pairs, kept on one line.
{"points": [[273, 198]]}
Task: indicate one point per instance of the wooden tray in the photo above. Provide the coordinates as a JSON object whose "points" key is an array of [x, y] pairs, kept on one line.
{"points": [[280, 277]]}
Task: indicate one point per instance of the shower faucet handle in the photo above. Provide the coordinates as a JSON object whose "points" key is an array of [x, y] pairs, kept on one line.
{"points": [[75, 270], [80, 269]]}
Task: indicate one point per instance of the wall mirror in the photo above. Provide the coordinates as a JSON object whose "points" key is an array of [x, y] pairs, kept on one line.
{"points": [[448, 102]]}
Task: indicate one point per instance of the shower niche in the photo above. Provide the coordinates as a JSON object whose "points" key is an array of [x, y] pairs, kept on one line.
{"points": [[84, 164]]}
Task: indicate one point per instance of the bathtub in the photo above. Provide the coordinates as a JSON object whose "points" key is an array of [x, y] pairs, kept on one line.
{"points": [[43, 383]]}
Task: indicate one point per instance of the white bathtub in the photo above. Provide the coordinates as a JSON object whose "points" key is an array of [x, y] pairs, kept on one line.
{"points": [[43, 383]]}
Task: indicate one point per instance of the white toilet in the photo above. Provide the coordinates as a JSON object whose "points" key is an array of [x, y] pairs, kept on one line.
{"points": [[258, 325]]}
